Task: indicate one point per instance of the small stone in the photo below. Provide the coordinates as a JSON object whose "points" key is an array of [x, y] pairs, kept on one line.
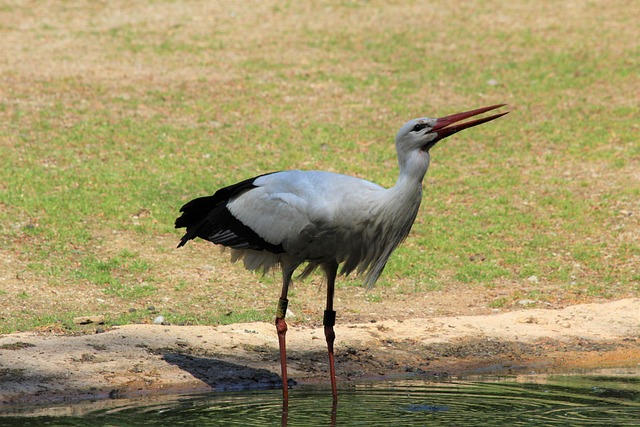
{"points": [[533, 279], [158, 320], [525, 302], [86, 320], [527, 319], [477, 257]]}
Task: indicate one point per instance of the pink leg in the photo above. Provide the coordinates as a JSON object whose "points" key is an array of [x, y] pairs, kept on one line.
{"points": [[331, 270], [330, 335], [281, 327]]}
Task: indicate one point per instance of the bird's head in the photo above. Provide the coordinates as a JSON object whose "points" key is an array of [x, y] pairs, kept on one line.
{"points": [[422, 134]]}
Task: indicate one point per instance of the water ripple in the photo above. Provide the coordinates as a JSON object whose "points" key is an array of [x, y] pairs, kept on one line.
{"points": [[554, 401]]}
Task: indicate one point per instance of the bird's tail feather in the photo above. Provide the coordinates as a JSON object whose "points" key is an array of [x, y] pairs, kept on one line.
{"points": [[194, 217]]}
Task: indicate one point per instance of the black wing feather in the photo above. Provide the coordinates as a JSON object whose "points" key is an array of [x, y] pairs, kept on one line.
{"points": [[208, 218]]}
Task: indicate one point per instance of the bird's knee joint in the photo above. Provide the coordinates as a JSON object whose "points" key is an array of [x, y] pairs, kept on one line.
{"points": [[281, 326]]}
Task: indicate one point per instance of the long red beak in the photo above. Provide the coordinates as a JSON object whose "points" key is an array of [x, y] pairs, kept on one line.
{"points": [[443, 128]]}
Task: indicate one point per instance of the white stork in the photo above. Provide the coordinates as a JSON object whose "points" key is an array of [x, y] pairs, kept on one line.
{"points": [[324, 219]]}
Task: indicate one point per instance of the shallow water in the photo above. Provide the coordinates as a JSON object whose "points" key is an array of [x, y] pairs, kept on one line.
{"points": [[590, 399]]}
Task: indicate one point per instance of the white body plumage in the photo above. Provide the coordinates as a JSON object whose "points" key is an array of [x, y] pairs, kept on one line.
{"points": [[321, 216]]}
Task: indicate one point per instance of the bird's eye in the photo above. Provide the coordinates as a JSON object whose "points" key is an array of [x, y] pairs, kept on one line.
{"points": [[419, 127]]}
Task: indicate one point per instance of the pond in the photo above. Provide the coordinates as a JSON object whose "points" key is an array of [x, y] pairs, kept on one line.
{"points": [[595, 398]]}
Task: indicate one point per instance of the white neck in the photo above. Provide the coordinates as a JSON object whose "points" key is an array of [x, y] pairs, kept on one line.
{"points": [[413, 168], [403, 199]]}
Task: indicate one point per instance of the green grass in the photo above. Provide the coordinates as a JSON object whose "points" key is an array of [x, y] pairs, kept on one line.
{"points": [[498, 302], [186, 108]]}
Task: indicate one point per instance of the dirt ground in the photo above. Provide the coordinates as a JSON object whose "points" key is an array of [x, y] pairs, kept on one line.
{"points": [[145, 360], [162, 63]]}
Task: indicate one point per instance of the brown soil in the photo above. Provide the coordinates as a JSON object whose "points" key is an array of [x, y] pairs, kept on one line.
{"points": [[137, 360], [113, 57]]}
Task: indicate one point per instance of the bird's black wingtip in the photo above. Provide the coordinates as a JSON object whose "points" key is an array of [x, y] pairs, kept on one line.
{"points": [[188, 236], [185, 221]]}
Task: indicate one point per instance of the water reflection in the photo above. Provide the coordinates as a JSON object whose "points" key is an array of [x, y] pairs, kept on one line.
{"points": [[560, 400]]}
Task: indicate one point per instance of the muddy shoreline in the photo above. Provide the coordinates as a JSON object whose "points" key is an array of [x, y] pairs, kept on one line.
{"points": [[148, 360]]}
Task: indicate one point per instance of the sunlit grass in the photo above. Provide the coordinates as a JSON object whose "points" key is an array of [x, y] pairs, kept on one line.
{"points": [[547, 191]]}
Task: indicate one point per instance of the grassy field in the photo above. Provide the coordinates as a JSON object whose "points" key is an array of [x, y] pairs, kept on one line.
{"points": [[113, 114]]}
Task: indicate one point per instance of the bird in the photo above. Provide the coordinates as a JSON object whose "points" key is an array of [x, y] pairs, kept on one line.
{"points": [[335, 222]]}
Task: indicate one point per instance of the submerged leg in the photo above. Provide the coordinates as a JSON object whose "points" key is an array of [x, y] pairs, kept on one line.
{"points": [[331, 270], [281, 327]]}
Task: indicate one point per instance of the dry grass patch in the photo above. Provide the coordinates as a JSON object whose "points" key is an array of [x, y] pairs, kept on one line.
{"points": [[114, 114]]}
